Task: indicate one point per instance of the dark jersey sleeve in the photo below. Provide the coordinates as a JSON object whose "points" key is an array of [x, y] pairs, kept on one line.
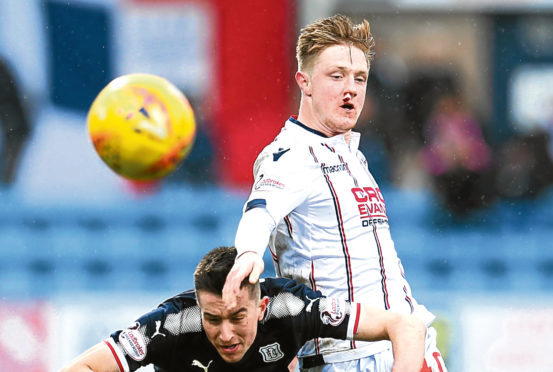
{"points": [[309, 313], [153, 337]]}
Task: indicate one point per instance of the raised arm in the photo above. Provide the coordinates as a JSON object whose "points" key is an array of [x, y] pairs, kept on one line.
{"points": [[406, 332], [96, 359], [251, 241]]}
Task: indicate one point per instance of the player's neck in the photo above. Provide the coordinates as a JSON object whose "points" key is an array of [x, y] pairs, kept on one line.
{"points": [[307, 117]]}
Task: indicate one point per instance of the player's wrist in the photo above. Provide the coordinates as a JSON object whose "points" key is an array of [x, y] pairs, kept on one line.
{"points": [[242, 253]]}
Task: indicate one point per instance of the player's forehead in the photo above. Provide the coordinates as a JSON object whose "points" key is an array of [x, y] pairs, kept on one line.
{"points": [[212, 304], [343, 57]]}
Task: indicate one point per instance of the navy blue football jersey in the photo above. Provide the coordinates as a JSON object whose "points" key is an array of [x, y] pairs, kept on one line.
{"points": [[172, 338]]}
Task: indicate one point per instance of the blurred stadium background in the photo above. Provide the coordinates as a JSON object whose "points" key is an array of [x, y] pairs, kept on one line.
{"points": [[83, 252]]}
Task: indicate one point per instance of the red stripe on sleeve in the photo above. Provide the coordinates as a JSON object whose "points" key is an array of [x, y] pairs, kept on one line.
{"points": [[357, 318], [121, 369]]}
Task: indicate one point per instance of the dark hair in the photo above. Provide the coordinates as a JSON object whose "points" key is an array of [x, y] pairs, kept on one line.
{"points": [[212, 271]]}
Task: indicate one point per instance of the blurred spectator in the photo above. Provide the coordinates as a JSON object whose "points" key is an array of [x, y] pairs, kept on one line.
{"points": [[14, 124], [457, 156], [402, 104], [526, 168], [372, 143], [424, 89], [382, 119]]}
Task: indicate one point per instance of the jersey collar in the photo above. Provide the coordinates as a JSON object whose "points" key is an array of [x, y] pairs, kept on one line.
{"points": [[310, 134]]}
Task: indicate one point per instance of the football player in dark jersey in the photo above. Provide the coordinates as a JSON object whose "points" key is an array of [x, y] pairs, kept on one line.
{"points": [[270, 321]]}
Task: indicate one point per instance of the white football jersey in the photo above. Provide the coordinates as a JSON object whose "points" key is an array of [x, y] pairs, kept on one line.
{"points": [[330, 229]]}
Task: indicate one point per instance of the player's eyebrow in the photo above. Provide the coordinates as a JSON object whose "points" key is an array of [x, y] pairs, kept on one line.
{"points": [[363, 73], [213, 316], [347, 68], [239, 311]]}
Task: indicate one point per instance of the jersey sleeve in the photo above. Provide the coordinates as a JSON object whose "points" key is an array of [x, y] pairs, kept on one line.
{"points": [[282, 179], [152, 338], [330, 317], [312, 314]]}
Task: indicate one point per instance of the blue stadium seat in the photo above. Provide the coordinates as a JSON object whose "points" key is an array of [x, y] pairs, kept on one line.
{"points": [[154, 244]]}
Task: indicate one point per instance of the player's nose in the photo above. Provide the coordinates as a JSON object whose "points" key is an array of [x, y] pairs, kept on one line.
{"points": [[350, 89], [226, 332]]}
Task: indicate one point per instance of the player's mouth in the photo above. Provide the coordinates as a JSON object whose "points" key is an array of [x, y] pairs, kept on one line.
{"points": [[348, 106], [231, 353], [229, 349]]}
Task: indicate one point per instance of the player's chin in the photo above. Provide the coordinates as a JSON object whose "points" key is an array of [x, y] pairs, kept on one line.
{"points": [[346, 124], [346, 119], [351, 118], [231, 354]]}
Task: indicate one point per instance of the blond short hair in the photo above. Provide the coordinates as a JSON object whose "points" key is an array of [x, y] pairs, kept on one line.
{"points": [[335, 30]]}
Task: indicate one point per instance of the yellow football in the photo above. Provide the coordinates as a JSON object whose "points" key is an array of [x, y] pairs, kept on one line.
{"points": [[141, 126]]}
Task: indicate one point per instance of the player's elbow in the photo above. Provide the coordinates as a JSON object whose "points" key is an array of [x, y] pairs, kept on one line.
{"points": [[418, 326], [411, 325]]}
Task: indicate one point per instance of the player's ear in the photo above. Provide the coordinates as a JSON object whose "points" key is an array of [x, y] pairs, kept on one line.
{"points": [[304, 82], [263, 302]]}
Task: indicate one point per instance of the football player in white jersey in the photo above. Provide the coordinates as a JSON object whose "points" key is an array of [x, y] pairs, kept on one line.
{"points": [[317, 206]]}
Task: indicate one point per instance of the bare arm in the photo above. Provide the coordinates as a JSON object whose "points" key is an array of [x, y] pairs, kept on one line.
{"points": [[251, 241], [406, 332], [96, 359]]}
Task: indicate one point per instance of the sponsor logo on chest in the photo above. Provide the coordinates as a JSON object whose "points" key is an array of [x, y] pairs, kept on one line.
{"points": [[371, 205], [328, 169]]}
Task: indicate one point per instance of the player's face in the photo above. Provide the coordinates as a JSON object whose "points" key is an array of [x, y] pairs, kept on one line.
{"points": [[338, 79], [231, 330]]}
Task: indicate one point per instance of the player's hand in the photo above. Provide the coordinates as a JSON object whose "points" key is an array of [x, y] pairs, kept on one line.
{"points": [[249, 263]]}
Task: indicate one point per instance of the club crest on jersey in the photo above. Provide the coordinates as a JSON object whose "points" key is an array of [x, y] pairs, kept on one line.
{"points": [[271, 353], [332, 311], [133, 343]]}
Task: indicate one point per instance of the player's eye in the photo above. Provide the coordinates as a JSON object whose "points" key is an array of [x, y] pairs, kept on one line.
{"points": [[213, 321], [239, 318]]}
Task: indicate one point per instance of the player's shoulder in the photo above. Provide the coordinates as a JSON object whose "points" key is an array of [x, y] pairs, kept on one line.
{"points": [[286, 297], [181, 311], [273, 286], [285, 155], [182, 300], [176, 317]]}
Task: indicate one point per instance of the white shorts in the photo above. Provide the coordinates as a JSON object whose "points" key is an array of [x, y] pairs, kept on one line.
{"points": [[383, 361]]}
